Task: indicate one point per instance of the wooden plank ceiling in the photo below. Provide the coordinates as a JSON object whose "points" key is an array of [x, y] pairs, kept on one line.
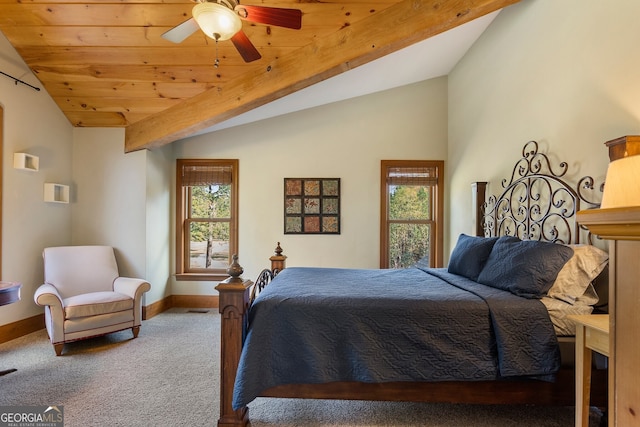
{"points": [[105, 63]]}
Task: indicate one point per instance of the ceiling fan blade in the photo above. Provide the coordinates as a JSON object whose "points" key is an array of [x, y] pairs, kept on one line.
{"points": [[247, 50], [180, 32], [287, 18]]}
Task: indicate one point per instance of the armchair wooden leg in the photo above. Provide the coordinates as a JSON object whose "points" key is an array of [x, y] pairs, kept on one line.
{"points": [[135, 330], [58, 348]]}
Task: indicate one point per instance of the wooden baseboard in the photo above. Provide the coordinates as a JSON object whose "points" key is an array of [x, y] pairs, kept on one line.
{"points": [[22, 327], [148, 311], [194, 301], [181, 301]]}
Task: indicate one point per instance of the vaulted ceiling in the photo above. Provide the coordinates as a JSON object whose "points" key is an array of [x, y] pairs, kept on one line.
{"points": [[105, 63]]}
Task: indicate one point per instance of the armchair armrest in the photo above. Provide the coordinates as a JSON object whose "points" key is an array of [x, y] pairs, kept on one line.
{"points": [[48, 295], [130, 286], [133, 288]]}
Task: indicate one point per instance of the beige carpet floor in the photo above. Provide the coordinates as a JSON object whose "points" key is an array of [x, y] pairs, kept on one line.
{"points": [[169, 376]]}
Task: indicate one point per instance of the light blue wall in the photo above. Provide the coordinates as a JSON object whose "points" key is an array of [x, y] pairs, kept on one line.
{"points": [[345, 140], [559, 72], [124, 200], [33, 124]]}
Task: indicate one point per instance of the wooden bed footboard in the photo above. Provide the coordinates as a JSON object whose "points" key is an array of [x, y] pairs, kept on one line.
{"points": [[234, 307], [505, 392], [235, 297]]}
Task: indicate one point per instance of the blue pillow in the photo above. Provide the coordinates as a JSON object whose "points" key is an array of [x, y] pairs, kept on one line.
{"points": [[470, 255], [526, 268]]}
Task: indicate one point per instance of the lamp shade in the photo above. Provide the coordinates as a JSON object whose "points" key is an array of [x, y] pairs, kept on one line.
{"points": [[216, 21], [622, 184]]}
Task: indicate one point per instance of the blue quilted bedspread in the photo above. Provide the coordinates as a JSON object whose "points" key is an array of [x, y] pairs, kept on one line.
{"points": [[317, 325]]}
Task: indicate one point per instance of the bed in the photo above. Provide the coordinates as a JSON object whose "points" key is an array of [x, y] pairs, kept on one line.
{"points": [[489, 328]]}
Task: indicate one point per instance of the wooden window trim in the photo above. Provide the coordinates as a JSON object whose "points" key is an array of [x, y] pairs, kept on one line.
{"points": [[182, 208], [438, 214]]}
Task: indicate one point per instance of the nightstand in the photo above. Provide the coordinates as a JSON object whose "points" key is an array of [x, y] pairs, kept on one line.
{"points": [[592, 334], [9, 293], [622, 227]]}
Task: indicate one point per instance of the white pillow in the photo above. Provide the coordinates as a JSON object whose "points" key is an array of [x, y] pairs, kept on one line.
{"points": [[573, 284], [558, 311]]}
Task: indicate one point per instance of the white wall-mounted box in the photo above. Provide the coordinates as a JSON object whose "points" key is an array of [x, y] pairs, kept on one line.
{"points": [[26, 161], [56, 193]]}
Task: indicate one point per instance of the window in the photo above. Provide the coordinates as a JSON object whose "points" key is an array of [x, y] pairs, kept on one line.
{"points": [[207, 218], [411, 212]]}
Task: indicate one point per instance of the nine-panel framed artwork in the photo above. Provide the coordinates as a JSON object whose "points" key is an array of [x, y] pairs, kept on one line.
{"points": [[312, 206]]}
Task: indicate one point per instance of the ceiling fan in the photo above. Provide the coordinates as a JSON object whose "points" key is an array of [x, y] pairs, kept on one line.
{"points": [[221, 20]]}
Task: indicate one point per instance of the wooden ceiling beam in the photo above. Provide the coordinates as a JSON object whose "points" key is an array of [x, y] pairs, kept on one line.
{"points": [[392, 29]]}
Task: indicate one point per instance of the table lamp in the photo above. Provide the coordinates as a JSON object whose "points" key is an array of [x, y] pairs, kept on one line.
{"points": [[622, 184]]}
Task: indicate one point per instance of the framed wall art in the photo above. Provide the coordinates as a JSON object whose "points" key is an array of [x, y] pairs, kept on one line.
{"points": [[312, 206]]}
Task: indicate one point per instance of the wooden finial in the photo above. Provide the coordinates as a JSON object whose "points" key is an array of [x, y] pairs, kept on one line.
{"points": [[278, 260], [235, 269]]}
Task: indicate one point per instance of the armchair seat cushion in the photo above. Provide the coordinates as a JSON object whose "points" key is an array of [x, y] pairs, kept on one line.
{"points": [[96, 303], [93, 325]]}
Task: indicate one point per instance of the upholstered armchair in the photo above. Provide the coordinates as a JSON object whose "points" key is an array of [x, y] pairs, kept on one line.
{"points": [[83, 295]]}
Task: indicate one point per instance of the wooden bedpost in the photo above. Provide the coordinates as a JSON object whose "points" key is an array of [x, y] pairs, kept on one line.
{"points": [[478, 198], [234, 306], [278, 261]]}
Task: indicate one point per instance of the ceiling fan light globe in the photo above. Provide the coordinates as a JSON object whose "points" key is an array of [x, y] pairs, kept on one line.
{"points": [[217, 21]]}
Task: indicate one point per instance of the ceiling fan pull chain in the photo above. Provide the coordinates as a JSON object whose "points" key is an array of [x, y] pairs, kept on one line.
{"points": [[217, 61]]}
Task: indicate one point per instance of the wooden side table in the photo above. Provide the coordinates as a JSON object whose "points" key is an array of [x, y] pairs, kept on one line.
{"points": [[592, 334], [9, 293]]}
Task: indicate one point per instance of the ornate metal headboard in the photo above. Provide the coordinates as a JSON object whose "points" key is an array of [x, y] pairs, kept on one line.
{"points": [[538, 204]]}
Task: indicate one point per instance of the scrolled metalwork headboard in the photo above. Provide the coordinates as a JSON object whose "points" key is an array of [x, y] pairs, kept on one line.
{"points": [[537, 203]]}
